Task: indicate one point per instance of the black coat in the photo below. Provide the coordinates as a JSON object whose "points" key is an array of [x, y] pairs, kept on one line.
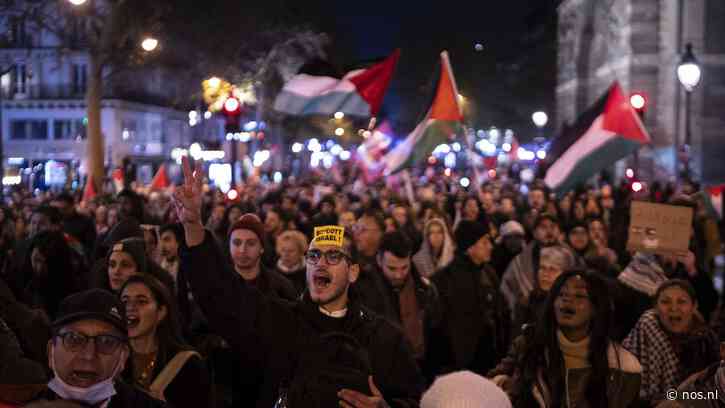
{"points": [[437, 350], [273, 334], [369, 289], [477, 320]]}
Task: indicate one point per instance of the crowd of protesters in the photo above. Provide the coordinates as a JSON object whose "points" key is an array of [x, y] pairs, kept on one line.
{"points": [[434, 295]]}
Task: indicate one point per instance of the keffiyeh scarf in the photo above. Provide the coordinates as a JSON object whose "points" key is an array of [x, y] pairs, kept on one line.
{"points": [[660, 365]]}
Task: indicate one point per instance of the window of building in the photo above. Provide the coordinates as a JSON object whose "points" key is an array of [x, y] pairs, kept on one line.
{"points": [[69, 129], [18, 33], [128, 129], [21, 78], [80, 78], [29, 129]]}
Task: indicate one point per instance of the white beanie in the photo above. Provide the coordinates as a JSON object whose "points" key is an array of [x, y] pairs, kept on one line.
{"points": [[464, 389]]}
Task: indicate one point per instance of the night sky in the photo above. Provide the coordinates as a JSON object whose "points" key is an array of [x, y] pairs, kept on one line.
{"points": [[510, 78], [514, 74]]}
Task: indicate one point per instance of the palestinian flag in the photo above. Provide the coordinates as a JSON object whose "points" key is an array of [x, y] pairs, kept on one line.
{"points": [[608, 131], [160, 180], [441, 122], [117, 177], [714, 194], [358, 93], [89, 192]]}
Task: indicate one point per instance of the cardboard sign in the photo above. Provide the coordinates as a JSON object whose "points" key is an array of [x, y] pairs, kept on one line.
{"points": [[329, 235], [659, 228]]}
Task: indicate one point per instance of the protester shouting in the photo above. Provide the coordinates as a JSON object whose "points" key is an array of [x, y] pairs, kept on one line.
{"points": [[282, 335]]}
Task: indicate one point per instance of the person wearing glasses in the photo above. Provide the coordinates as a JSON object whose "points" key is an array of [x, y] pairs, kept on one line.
{"points": [[281, 337], [87, 352]]}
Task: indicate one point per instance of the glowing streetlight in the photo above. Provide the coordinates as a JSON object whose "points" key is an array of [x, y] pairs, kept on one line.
{"points": [[339, 115], [339, 131], [149, 44], [637, 101], [540, 119], [77, 2], [214, 82]]}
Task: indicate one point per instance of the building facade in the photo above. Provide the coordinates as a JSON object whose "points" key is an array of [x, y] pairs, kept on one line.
{"points": [[640, 43], [43, 108]]}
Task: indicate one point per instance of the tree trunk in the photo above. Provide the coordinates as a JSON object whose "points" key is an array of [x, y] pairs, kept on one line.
{"points": [[95, 144]]}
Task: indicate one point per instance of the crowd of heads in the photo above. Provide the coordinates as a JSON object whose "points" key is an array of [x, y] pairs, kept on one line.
{"points": [[105, 273]]}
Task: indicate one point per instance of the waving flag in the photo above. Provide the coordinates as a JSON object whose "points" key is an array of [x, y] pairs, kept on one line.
{"points": [[160, 180], [358, 93], [441, 122], [89, 192], [608, 131]]}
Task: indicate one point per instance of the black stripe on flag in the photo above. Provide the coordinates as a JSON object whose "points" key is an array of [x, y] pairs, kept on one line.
{"points": [[570, 134]]}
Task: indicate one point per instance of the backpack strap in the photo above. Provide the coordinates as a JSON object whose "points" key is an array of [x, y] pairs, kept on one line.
{"points": [[169, 372]]}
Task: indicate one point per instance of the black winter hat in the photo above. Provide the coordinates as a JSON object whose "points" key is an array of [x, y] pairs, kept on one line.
{"points": [[136, 248], [468, 233], [95, 304]]}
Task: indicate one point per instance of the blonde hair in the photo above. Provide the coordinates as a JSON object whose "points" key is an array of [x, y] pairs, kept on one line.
{"points": [[297, 238]]}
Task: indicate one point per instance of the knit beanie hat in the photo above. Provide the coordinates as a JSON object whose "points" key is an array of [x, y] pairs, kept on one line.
{"points": [[464, 389], [249, 221], [468, 233], [136, 248]]}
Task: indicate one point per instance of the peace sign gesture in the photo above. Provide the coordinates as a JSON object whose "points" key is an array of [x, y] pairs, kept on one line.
{"points": [[187, 201]]}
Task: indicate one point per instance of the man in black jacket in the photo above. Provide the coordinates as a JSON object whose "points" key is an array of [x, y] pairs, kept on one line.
{"points": [[477, 320], [278, 334], [88, 351], [413, 302]]}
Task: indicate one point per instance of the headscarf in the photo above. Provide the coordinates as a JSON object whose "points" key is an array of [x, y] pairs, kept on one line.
{"points": [[424, 259], [651, 345]]}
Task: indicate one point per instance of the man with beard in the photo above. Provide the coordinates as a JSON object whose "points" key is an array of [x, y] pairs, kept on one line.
{"points": [[281, 334], [518, 280], [171, 236], [414, 302]]}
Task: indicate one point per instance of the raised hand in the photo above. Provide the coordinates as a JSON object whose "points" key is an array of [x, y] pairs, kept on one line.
{"points": [[188, 200], [188, 197]]}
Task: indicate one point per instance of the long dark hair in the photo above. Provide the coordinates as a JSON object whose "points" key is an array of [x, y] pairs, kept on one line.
{"points": [[62, 275], [168, 333], [544, 354]]}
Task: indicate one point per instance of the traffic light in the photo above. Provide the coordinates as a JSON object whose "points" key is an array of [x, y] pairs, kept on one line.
{"points": [[232, 111], [638, 100]]}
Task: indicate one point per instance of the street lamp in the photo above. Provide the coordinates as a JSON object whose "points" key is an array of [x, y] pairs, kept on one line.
{"points": [[688, 73], [540, 119], [77, 2], [149, 44]]}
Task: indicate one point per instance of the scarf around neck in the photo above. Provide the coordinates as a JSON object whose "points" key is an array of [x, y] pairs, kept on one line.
{"points": [[575, 353]]}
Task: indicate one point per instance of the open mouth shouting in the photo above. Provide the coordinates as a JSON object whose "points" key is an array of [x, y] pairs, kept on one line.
{"points": [[132, 321], [321, 280], [84, 378], [566, 312]]}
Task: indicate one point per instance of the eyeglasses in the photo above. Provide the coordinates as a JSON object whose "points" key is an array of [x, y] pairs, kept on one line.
{"points": [[333, 257], [105, 343]]}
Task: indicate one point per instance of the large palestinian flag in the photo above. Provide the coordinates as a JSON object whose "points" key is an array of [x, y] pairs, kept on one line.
{"points": [[608, 131], [442, 120], [357, 93]]}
